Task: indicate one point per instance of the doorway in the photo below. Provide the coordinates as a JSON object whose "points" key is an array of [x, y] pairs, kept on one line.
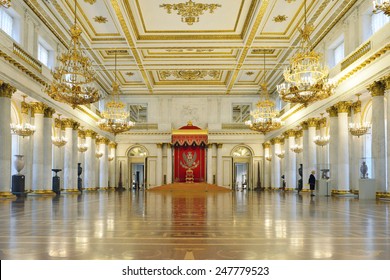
{"points": [[137, 171], [241, 175]]}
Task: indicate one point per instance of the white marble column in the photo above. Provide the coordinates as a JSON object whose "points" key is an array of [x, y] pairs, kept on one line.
{"points": [[75, 153], [38, 148], [343, 185], [356, 148], [266, 184], [169, 163], [333, 146], [275, 175], [312, 148], [27, 149], [6, 92], [103, 164], [219, 165], [291, 168], [377, 90], [387, 84], [48, 150], [159, 165], [112, 164], [305, 155], [210, 163], [68, 156], [81, 142], [299, 156], [89, 171]]}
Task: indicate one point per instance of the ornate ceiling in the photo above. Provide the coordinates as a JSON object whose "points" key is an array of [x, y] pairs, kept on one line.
{"points": [[160, 53]]}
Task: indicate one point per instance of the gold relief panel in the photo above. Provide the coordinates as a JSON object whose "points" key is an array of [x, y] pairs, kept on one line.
{"points": [[262, 51], [117, 52], [190, 75], [6, 90], [280, 18], [377, 88], [249, 73]]}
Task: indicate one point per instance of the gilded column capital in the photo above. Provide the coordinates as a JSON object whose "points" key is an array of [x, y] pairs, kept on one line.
{"points": [[386, 80], [357, 107], [377, 88], [113, 145], [332, 111], [67, 123], [102, 140], [304, 125], [322, 122], [6, 90], [81, 133], [48, 112], [76, 125], [219, 146], [266, 145], [90, 133], [25, 107], [106, 140], [343, 107], [159, 145], [299, 133], [38, 107], [276, 140], [57, 123], [210, 145], [312, 122]]}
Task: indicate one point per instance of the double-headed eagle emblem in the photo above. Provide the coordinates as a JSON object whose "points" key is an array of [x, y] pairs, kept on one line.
{"points": [[189, 161]]}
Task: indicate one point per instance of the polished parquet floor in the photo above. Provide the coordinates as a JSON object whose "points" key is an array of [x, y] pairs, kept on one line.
{"points": [[200, 225]]}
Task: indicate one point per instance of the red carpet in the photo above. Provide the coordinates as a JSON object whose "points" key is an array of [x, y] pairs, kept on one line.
{"points": [[190, 187]]}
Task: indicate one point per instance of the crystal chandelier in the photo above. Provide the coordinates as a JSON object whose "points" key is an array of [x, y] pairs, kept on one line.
{"points": [[190, 11], [382, 6], [269, 158], [321, 140], [280, 154], [73, 79], [297, 149], [98, 154], [58, 140], [306, 79], [110, 158], [115, 114], [264, 117], [360, 128], [24, 128], [5, 3], [82, 147]]}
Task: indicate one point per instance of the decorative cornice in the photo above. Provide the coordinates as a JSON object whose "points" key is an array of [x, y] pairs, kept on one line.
{"points": [[6, 90], [377, 88], [343, 107], [332, 111], [48, 113]]}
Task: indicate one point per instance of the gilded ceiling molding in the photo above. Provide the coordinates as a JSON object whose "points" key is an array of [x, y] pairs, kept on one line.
{"points": [[6, 90], [280, 18], [249, 73], [262, 51], [190, 11], [100, 19], [248, 43]]}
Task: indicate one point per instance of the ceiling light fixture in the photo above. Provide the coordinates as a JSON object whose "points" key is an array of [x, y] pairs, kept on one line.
{"points": [[381, 6], [24, 128], [5, 3], [73, 79]]}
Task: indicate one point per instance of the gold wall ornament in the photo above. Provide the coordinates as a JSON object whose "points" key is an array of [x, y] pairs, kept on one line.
{"points": [[100, 19], [73, 78], [5, 3], [6, 90], [381, 6], [190, 11], [280, 18], [377, 88]]}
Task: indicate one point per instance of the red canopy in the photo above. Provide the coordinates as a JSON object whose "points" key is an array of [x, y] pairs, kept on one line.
{"points": [[189, 135]]}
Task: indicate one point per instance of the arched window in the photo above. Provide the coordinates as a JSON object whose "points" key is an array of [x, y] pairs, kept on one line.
{"points": [[138, 151], [241, 152]]}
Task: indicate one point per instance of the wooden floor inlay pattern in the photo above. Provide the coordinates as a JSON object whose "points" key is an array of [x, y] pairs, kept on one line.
{"points": [[199, 225]]}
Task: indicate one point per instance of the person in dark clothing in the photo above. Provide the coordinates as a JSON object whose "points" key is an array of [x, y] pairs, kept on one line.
{"points": [[312, 182]]}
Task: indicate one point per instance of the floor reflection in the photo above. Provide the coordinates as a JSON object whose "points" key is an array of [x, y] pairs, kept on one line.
{"points": [[195, 225]]}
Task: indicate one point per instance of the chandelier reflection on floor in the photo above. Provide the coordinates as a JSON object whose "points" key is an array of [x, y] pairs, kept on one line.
{"points": [[306, 79], [115, 113], [24, 128], [5, 3], [73, 79], [265, 117], [382, 6]]}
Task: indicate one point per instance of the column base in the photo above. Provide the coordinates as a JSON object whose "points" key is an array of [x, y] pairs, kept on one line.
{"points": [[74, 191], [90, 189], [344, 193], [103, 189], [7, 195], [382, 194], [42, 192]]}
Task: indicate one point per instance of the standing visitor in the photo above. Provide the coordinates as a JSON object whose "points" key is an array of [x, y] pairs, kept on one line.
{"points": [[312, 182]]}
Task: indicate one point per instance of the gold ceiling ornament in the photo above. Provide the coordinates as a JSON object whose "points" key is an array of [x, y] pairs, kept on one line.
{"points": [[190, 75], [381, 6], [73, 79], [360, 128], [190, 11], [24, 128], [129, 74], [5, 3], [265, 117], [115, 113], [57, 139], [280, 18], [249, 73], [100, 19], [306, 79]]}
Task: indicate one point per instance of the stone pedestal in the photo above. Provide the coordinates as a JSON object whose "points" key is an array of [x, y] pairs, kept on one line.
{"points": [[324, 188], [367, 189]]}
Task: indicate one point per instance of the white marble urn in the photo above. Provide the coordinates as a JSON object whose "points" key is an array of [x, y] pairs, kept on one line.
{"points": [[19, 163]]}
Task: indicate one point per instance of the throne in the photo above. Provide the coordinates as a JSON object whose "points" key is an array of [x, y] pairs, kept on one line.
{"points": [[189, 176]]}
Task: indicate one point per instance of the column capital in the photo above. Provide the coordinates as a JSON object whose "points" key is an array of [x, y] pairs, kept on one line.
{"points": [[312, 122], [102, 140], [68, 123], [159, 145], [113, 145], [57, 123], [76, 125], [266, 145], [304, 125], [377, 88], [81, 133], [298, 133], [48, 112], [90, 133], [25, 107], [386, 80], [332, 111], [322, 122], [219, 146], [6, 90], [357, 107], [343, 106], [277, 140], [38, 107]]}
